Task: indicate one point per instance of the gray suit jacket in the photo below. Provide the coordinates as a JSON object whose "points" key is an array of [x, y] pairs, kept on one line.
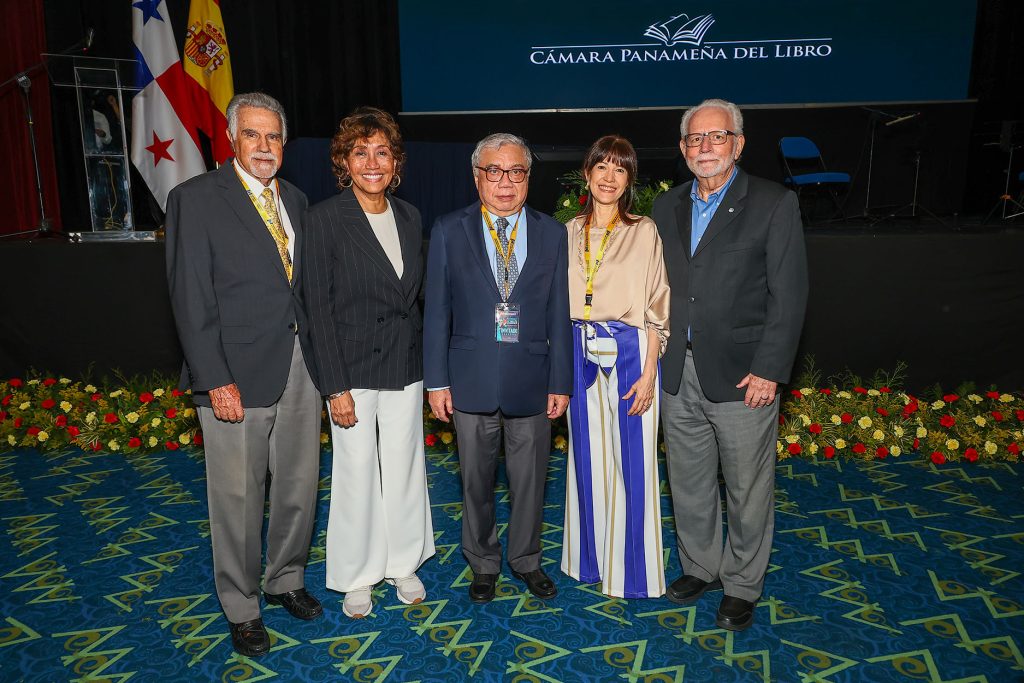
{"points": [[235, 312], [365, 321], [743, 292]]}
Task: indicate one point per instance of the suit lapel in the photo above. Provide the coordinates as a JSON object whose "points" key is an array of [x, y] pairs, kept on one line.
{"points": [[411, 240], [728, 210], [238, 199], [534, 245], [684, 218], [358, 229], [473, 226]]}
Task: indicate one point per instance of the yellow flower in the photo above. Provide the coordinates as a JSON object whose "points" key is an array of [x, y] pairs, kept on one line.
{"points": [[188, 412], [835, 419], [895, 450], [921, 432], [560, 442], [90, 389], [90, 418], [113, 445], [979, 420], [116, 393], [806, 391], [33, 382], [11, 440], [153, 441], [813, 448], [792, 438], [874, 392], [974, 397], [952, 444], [991, 448], [565, 204], [938, 404], [65, 406], [664, 185], [878, 435], [778, 446], [806, 420], [864, 422], [24, 406], [158, 392], [843, 394], [65, 380], [155, 422], [132, 417], [897, 430], [1005, 398], [42, 436], [840, 444], [446, 437], [324, 438], [184, 438]]}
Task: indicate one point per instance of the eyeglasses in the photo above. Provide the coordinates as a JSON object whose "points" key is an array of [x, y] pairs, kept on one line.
{"points": [[717, 137], [494, 173]]}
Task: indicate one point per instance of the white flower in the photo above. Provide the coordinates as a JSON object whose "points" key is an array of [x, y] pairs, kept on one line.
{"points": [[664, 185], [566, 203]]}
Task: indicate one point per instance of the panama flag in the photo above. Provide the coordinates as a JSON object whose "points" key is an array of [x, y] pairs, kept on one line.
{"points": [[208, 65], [165, 144]]}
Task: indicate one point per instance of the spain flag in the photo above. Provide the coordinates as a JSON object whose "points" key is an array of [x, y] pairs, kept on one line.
{"points": [[208, 65]]}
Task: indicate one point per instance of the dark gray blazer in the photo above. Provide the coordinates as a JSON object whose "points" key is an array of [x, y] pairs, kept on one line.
{"points": [[743, 293], [233, 307], [365, 322]]}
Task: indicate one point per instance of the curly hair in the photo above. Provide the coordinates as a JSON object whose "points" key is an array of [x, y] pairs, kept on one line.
{"points": [[362, 124]]}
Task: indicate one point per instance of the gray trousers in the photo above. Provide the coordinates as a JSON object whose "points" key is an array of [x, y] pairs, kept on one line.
{"points": [[527, 448], [700, 436], [284, 438]]}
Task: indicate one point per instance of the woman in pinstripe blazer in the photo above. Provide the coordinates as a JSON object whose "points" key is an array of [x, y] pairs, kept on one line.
{"points": [[363, 276]]}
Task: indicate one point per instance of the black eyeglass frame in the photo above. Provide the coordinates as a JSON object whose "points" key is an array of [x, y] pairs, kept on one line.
{"points": [[700, 138], [503, 172]]}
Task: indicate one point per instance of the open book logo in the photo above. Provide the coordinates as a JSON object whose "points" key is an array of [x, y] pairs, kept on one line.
{"points": [[681, 29]]}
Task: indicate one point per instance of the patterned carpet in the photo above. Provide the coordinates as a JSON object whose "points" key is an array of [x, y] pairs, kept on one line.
{"points": [[892, 571]]}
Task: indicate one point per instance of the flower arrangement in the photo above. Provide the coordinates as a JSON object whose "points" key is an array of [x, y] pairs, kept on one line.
{"points": [[575, 195]]}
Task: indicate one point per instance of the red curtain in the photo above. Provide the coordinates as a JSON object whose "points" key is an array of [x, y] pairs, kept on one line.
{"points": [[23, 41]]}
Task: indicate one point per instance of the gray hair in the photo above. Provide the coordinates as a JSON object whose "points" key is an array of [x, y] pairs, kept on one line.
{"points": [[497, 140], [258, 100], [732, 109]]}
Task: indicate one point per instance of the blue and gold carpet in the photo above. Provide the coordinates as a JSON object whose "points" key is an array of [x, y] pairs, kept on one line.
{"points": [[890, 571]]}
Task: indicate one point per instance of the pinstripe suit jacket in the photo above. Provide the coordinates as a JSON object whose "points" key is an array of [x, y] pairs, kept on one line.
{"points": [[365, 321]]}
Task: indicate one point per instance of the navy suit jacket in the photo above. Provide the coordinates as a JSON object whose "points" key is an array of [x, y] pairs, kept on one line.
{"points": [[459, 344]]}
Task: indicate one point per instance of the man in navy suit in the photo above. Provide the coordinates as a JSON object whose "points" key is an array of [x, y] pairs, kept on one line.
{"points": [[498, 354]]}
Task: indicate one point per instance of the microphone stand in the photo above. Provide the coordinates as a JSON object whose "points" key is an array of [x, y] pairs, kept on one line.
{"points": [[875, 114]]}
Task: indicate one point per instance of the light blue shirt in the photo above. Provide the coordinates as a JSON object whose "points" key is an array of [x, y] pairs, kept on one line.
{"points": [[519, 248], [703, 211]]}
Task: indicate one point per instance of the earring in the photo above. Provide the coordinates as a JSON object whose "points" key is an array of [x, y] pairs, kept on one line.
{"points": [[395, 182], [345, 184]]}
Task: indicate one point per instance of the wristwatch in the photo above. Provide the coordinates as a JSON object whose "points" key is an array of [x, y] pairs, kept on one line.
{"points": [[337, 395]]}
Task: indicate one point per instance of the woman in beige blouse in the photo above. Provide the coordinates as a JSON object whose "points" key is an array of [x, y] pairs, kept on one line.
{"points": [[619, 303]]}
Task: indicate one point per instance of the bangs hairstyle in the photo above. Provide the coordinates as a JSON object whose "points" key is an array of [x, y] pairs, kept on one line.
{"points": [[617, 150], [362, 124]]}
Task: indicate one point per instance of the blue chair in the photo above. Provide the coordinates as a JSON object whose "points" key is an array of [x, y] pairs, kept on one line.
{"points": [[805, 168]]}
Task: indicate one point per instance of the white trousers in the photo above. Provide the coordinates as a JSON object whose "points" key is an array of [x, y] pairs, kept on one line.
{"points": [[379, 525]]}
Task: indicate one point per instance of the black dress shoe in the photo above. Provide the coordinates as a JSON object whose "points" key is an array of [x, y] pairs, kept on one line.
{"points": [[481, 590], [538, 583], [735, 614], [299, 603], [250, 638], [687, 589]]}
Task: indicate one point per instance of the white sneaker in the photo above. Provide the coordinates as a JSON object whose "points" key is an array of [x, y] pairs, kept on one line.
{"points": [[409, 589], [358, 603]]}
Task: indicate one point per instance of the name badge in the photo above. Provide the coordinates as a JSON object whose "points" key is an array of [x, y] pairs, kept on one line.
{"points": [[506, 323]]}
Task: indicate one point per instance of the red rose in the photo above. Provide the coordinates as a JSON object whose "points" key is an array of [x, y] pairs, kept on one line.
{"points": [[32, 431], [997, 415], [177, 392], [949, 398], [430, 439], [171, 412], [1020, 415], [96, 445], [95, 397], [1014, 448], [198, 439], [938, 458], [830, 452], [815, 428], [971, 455], [48, 403], [782, 419], [73, 431], [882, 411], [947, 421], [171, 445], [992, 394], [49, 382], [110, 418], [860, 390], [910, 409], [827, 392], [17, 422], [145, 397], [794, 448], [134, 442], [885, 390], [881, 452], [846, 418], [796, 392], [61, 420], [6, 400], [859, 448], [583, 199], [3, 415], [14, 382], [917, 444]]}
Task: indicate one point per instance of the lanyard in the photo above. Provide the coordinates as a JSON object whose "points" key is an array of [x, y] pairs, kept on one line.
{"points": [[506, 258], [260, 208], [591, 272]]}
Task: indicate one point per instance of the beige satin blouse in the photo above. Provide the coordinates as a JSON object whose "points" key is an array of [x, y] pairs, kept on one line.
{"points": [[631, 285]]}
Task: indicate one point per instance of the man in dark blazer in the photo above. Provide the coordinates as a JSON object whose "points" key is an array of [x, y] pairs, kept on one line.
{"points": [[734, 251], [233, 241], [497, 351]]}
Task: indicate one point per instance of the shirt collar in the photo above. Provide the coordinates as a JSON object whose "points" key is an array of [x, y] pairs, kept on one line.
{"points": [[714, 196], [511, 219], [254, 184]]}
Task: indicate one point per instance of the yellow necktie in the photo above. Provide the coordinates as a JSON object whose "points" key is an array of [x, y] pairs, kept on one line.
{"points": [[277, 230]]}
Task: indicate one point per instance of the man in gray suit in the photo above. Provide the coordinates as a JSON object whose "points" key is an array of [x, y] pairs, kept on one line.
{"points": [[734, 251], [233, 243]]}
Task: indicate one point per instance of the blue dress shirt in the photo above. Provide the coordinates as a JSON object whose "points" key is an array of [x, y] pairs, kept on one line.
{"points": [[703, 211], [519, 248]]}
